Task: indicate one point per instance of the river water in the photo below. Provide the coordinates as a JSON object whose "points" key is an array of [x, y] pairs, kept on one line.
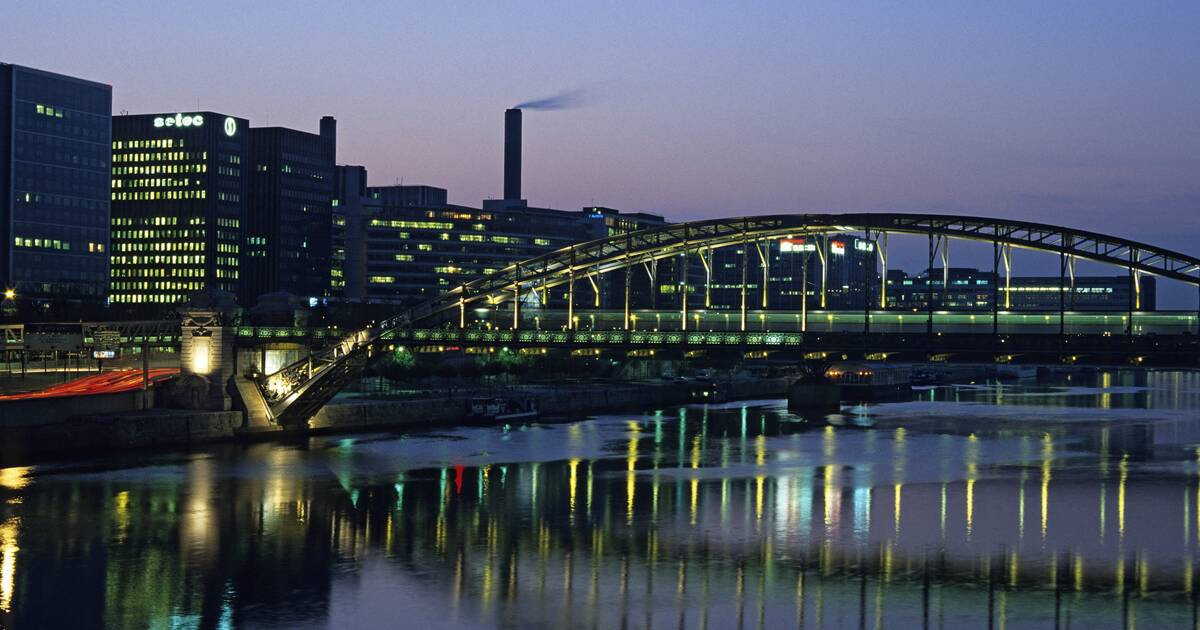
{"points": [[1074, 503]]}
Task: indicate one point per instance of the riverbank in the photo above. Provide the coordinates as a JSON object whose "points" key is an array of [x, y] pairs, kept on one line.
{"points": [[168, 428]]}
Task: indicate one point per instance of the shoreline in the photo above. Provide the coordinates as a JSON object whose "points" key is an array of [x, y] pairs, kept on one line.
{"points": [[89, 434]]}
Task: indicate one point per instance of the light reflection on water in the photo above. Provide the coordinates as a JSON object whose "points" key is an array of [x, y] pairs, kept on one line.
{"points": [[1017, 505]]}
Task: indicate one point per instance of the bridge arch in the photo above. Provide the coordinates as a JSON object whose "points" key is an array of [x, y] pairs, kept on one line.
{"points": [[293, 394], [574, 263]]}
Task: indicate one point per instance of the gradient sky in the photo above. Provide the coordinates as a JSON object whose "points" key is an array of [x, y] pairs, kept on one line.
{"points": [[1085, 114]]}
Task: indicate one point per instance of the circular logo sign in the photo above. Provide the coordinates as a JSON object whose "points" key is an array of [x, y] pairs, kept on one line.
{"points": [[230, 126]]}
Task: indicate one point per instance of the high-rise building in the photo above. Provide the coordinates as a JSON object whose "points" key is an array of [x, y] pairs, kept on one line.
{"points": [[348, 253], [289, 216], [179, 194], [55, 134], [838, 266]]}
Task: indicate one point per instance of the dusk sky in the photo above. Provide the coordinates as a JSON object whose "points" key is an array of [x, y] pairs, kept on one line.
{"points": [[1085, 114]]}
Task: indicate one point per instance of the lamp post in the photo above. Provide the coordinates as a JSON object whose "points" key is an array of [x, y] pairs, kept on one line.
{"points": [[9, 306]]}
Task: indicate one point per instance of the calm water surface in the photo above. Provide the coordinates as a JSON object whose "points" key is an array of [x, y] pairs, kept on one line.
{"points": [[1074, 503]]}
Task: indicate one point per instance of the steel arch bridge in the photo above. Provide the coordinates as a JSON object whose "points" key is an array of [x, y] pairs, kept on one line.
{"points": [[297, 391]]}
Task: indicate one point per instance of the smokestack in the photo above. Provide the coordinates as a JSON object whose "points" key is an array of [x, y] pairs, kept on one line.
{"points": [[329, 134], [512, 154]]}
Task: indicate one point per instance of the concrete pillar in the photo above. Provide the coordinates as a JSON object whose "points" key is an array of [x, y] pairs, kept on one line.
{"points": [[207, 359]]}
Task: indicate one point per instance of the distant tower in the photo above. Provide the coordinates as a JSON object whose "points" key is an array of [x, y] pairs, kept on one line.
{"points": [[329, 134], [512, 154]]}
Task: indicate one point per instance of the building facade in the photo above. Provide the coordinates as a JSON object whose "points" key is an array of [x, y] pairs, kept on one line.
{"points": [[414, 254], [180, 188], [967, 289], [55, 135], [289, 214], [348, 269]]}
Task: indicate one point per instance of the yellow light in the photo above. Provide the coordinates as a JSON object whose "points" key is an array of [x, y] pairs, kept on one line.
{"points": [[200, 352], [9, 294]]}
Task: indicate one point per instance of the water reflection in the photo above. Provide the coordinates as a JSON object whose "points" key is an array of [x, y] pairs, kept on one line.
{"points": [[931, 514]]}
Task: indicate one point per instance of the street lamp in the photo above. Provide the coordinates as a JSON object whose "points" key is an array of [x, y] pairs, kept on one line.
{"points": [[762, 321], [10, 294]]}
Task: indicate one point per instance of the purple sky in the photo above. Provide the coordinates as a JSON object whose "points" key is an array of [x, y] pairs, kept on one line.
{"points": [[1080, 113]]}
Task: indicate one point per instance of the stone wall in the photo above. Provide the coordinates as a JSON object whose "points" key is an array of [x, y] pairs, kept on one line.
{"points": [[127, 426], [53, 411], [141, 429]]}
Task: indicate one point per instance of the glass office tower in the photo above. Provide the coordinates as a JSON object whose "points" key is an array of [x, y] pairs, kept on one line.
{"points": [[179, 192], [55, 133]]}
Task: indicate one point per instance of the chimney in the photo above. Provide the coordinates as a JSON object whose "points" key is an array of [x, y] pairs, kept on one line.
{"points": [[329, 133], [512, 154]]}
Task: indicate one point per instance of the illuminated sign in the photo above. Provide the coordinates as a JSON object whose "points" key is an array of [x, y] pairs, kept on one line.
{"points": [[795, 245], [864, 246], [181, 120], [230, 126], [837, 247]]}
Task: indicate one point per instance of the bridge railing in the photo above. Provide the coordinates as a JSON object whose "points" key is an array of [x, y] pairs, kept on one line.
{"points": [[1017, 322]]}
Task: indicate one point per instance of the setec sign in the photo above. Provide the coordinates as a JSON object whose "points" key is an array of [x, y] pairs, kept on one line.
{"points": [[180, 120], [193, 120]]}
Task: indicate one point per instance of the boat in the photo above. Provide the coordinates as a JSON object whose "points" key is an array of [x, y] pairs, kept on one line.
{"points": [[502, 410], [706, 390], [862, 381]]}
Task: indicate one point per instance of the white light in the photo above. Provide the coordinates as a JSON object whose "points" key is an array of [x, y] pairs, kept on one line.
{"points": [[180, 120]]}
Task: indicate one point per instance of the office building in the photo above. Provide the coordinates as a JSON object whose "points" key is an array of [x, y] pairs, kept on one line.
{"points": [[179, 195], [794, 267], [415, 253], [968, 289], [55, 134], [289, 215], [348, 254]]}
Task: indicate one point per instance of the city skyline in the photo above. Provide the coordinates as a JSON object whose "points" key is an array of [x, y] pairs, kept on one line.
{"points": [[704, 113]]}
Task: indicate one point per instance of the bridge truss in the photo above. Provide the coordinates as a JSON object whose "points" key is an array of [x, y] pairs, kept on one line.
{"points": [[626, 253]]}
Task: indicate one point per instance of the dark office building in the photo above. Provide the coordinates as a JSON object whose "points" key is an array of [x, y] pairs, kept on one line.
{"points": [[348, 254], [409, 196], [289, 217], [179, 192], [604, 222], [55, 134], [968, 289], [416, 253], [1091, 293], [793, 268]]}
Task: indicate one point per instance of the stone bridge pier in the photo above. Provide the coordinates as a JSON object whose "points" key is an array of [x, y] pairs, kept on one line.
{"points": [[207, 355]]}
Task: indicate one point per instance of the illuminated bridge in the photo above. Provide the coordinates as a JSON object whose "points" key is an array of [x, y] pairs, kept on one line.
{"points": [[554, 300]]}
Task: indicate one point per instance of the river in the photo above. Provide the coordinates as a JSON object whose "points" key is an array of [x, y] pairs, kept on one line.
{"points": [[1074, 502]]}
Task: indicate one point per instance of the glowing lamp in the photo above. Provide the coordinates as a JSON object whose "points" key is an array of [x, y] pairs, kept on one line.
{"points": [[201, 355]]}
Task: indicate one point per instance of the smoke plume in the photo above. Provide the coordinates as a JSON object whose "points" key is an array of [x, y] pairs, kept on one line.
{"points": [[563, 100]]}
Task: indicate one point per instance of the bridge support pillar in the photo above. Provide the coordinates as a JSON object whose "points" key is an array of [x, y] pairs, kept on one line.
{"points": [[206, 352]]}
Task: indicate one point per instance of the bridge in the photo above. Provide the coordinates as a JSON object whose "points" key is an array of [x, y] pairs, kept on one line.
{"points": [[514, 306]]}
